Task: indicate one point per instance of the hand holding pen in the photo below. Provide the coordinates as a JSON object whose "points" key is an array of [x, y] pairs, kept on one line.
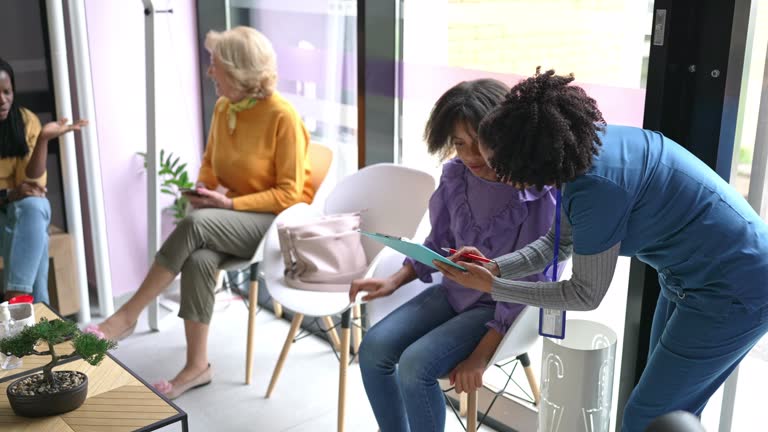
{"points": [[478, 272], [471, 254]]}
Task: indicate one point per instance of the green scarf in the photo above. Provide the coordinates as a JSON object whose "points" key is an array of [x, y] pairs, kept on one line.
{"points": [[235, 108]]}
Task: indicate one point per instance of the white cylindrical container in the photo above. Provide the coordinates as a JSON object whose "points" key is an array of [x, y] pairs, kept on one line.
{"points": [[577, 379], [13, 319]]}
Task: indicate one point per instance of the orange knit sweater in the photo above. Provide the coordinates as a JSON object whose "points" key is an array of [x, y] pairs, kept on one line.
{"points": [[264, 163]]}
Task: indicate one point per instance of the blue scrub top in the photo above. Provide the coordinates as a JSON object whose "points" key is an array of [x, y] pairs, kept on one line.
{"points": [[671, 211]]}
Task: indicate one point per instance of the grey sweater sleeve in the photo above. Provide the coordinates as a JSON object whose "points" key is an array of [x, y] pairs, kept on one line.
{"points": [[534, 257], [592, 275]]}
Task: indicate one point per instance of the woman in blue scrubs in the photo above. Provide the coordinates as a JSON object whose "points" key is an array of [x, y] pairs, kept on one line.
{"points": [[631, 192]]}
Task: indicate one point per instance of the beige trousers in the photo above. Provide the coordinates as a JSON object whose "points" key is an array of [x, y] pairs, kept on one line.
{"points": [[197, 247]]}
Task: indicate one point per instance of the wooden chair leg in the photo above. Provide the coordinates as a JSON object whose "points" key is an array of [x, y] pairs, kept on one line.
{"points": [[357, 332], [277, 308], [328, 322], [463, 404], [343, 364], [472, 412], [295, 324], [532, 381], [534, 385], [253, 293]]}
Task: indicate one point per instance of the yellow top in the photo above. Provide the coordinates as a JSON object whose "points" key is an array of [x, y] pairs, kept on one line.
{"points": [[264, 161], [13, 171]]}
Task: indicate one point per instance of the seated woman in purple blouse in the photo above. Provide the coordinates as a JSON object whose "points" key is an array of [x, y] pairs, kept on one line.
{"points": [[449, 329]]}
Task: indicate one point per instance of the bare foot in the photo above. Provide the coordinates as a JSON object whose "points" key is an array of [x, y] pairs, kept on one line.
{"points": [[116, 325], [189, 378], [187, 374]]}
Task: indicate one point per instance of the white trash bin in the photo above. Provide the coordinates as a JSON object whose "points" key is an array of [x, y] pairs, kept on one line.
{"points": [[577, 379]]}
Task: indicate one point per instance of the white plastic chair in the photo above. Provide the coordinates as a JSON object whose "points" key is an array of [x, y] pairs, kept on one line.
{"points": [[394, 200], [321, 158], [519, 338]]}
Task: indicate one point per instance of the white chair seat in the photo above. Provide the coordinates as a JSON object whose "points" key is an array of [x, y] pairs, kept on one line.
{"points": [[306, 302]]}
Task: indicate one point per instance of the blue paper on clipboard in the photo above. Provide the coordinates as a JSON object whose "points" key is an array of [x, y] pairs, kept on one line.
{"points": [[411, 249]]}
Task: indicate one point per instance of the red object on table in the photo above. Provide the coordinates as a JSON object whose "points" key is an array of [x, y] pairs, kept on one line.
{"points": [[22, 299]]}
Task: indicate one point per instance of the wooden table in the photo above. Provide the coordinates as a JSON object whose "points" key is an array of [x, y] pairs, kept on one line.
{"points": [[118, 400]]}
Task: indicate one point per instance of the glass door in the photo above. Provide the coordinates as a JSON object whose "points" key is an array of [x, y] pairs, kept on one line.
{"points": [[315, 41]]}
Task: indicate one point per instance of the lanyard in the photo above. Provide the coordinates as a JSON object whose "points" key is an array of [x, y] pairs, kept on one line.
{"points": [[552, 321], [553, 264]]}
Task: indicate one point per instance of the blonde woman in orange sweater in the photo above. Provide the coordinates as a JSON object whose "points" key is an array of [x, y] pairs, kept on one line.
{"points": [[257, 150]]}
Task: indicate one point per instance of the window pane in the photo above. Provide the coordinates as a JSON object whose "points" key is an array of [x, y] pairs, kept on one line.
{"points": [[604, 43], [750, 390], [315, 43]]}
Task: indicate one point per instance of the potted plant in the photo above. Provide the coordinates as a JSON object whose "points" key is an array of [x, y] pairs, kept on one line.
{"points": [[49, 393], [174, 177]]}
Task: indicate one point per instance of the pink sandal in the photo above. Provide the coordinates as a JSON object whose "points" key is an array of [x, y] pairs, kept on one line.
{"points": [[94, 330]]}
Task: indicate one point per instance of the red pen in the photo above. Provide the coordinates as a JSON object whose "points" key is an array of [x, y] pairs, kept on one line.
{"points": [[473, 257]]}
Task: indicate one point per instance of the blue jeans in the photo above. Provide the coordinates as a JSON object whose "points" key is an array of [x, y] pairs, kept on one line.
{"points": [[691, 354], [403, 355], [24, 246]]}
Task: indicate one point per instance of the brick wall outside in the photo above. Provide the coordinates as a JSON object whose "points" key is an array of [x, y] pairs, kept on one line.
{"points": [[599, 40]]}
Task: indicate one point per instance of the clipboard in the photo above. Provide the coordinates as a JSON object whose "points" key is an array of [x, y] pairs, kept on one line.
{"points": [[411, 249]]}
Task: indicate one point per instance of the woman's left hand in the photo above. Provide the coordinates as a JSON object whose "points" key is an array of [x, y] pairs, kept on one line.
{"points": [[476, 277], [58, 128], [209, 199], [467, 376]]}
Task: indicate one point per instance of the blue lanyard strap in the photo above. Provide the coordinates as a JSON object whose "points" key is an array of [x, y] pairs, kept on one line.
{"points": [[553, 264]]}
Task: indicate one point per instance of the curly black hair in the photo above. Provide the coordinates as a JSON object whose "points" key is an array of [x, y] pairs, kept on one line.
{"points": [[467, 101], [544, 133], [13, 139]]}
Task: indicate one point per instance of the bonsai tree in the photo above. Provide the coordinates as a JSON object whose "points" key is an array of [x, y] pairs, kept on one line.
{"points": [[88, 346]]}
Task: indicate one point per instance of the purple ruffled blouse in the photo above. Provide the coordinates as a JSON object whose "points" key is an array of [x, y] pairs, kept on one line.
{"points": [[496, 218]]}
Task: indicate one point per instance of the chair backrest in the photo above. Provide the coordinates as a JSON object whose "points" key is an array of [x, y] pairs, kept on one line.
{"points": [[394, 199], [520, 336], [320, 159]]}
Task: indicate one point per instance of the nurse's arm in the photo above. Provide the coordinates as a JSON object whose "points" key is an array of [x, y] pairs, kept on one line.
{"points": [[592, 275], [534, 257]]}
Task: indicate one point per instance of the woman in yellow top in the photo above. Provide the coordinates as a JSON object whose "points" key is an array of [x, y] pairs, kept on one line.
{"points": [[257, 151], [24, 211]]}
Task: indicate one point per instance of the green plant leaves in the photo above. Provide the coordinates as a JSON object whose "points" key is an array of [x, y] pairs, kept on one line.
{"points": [[19, 345], [55, 332], [92, 348], [89, 346], [173, 177]]}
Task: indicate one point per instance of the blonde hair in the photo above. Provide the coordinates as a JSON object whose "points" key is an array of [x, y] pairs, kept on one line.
{"points": [[248, 59]]}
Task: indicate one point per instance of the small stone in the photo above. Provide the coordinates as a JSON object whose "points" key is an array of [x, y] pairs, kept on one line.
{"points": [[36, 385]]}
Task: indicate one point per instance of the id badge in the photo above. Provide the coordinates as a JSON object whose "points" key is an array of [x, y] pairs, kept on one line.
{"points": [[552, 323]]}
